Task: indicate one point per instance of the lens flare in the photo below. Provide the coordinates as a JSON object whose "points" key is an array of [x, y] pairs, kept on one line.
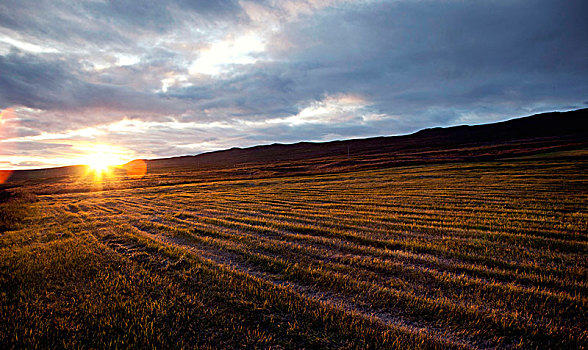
{"points": [[6, 115], [136, 169], [4, 175], [103, 160]]}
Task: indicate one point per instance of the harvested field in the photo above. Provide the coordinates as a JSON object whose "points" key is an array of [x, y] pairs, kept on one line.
{"points": [[463, 255]]}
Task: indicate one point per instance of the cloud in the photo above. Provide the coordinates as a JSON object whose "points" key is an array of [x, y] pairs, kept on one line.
{"points": [[449, 55], [64, 97], [168, 78]]}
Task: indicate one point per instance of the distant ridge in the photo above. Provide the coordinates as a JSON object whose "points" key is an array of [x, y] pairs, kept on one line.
{"points": [[541, 130], [547, 132]]}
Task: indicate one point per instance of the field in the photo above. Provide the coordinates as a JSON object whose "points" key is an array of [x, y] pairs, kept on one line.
{"points": [[459, 255]]}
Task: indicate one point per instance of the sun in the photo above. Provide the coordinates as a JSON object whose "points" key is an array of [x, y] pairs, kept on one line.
{"points": [[100, 162], [102, 158]]}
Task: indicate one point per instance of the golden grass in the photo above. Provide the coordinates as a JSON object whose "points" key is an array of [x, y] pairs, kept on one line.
{"points": [[472, 255]]}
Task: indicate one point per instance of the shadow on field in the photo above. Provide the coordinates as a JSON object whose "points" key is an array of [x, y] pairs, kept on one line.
{"points": [[15, 206]]}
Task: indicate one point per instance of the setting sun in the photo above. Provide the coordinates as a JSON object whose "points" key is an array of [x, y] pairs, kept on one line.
{"points": [[100, 158], [99, 162]]}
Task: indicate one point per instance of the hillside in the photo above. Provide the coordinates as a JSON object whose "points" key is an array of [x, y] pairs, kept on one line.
{"points": [[466, 255], [514, 137], [539, 133]]}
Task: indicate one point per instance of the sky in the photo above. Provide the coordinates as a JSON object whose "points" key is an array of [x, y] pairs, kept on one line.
{"points": [[151, 79]]}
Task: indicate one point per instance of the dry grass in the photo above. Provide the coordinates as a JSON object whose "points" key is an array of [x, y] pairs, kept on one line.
{"points": [[472, 255]]}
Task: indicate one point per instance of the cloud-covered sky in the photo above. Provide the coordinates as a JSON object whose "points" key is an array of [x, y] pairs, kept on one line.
{"points": [[164, 78]]}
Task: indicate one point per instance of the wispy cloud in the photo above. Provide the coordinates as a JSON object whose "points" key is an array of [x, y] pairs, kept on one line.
{"points": [[182, 77]]}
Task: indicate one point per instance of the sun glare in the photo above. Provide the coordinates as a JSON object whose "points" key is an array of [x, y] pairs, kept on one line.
{"points": [[101, 158], [100, 162]]}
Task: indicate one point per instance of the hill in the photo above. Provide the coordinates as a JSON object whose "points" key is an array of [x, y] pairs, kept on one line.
{"points": [[547, 132], [522, 136]]}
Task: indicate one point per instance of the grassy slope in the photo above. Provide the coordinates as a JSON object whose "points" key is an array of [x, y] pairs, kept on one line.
{"points": [[462, 255], [548, 132]]}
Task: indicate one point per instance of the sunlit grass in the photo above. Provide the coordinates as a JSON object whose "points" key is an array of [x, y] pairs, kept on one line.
{"points": [[440, 256]]}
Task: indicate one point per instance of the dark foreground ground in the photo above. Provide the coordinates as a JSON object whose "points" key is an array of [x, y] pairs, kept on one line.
{"points": [[470, 254]]}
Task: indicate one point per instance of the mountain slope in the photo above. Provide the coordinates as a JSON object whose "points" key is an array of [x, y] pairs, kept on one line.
{"points": [[525, 136], [549, 131]]}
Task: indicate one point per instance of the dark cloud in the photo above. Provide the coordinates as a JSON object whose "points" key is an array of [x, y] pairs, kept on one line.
{"points": [[108, 21], [421, 60], [63, 22], [415, 64], [450, 55], [159, 16], [34, 82]]}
